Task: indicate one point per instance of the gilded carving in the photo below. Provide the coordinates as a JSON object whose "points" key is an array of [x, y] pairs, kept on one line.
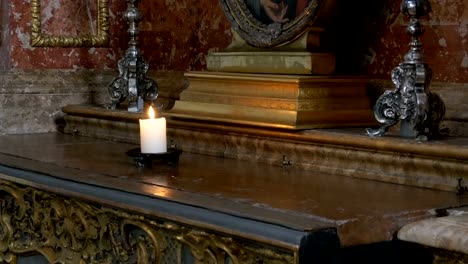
{"points": [[66, 230], [101, 38], [210, 248]]}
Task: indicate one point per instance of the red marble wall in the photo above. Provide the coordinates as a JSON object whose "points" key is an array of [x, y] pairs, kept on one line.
{"points": [[68, 17], [177, 34], [372, 38], [23, 56]]}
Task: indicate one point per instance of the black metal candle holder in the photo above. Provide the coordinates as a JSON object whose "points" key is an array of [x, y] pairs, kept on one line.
{"points": [[171, 157]]}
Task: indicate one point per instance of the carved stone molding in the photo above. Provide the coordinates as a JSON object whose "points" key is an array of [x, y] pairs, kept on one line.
{"points": [[101, 38], [66, 230]]}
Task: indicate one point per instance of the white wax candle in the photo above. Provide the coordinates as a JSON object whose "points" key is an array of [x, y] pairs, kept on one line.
{"points": [[153, 134]]}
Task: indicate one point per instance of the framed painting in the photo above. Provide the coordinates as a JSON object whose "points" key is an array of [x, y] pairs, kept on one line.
{"points": [[69, 23]]}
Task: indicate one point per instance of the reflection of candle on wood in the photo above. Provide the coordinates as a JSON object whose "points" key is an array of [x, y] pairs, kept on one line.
{"points": [[153, 134]]}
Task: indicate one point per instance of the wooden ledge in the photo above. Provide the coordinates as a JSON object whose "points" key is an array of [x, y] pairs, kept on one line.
{"points": [[449, 147], [437, 164], [359, 211]]}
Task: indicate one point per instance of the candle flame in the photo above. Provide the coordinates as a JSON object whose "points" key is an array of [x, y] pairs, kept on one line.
{"points": [[151, 112]]}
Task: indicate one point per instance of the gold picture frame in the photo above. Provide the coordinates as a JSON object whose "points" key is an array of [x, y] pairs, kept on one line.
{"points": [[101, 38]]}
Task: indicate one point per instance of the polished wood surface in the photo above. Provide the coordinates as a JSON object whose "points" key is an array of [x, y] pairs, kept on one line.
{"points": [[363, 211], [436, 164]]}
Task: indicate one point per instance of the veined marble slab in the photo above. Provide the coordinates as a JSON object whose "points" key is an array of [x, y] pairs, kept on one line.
{"points": [[449, 232]]}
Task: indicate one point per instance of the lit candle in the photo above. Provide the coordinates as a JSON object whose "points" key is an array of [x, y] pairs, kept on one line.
{"points": [[153, 134]]}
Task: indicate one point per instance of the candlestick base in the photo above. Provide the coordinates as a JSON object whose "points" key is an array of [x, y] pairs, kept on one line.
{"points": [[171, 157]]}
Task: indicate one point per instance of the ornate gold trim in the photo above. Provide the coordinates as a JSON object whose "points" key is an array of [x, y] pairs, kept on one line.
{"points": [[66, 230], [38, 39]]}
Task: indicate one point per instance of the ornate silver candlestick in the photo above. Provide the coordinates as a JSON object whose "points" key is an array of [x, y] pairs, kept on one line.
{"points": [[419, 110], [132, 82]]}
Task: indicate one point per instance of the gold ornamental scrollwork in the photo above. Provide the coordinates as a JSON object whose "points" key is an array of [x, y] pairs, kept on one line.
{"points": [[211, 248], [66, 230], [101, 38]]}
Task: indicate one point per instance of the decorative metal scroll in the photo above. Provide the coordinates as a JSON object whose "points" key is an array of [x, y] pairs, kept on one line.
{"points": [[253, 24], [418, 110], [40, 39], [65, 230], [132, 83]]}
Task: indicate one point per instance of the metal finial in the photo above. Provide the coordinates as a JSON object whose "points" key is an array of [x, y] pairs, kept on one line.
{"points": [[418, 110], [132, 83]]}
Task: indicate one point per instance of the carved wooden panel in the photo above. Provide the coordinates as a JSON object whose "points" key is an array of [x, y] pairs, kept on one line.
{"points": [[66, 230]]}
